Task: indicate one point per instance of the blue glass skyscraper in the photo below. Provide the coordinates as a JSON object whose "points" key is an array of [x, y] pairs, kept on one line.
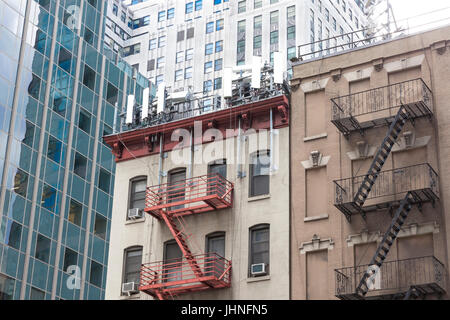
{"points": [[61, 91]]}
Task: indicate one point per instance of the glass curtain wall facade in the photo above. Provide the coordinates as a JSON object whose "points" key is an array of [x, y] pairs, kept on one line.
{"points": [[61, 91]]}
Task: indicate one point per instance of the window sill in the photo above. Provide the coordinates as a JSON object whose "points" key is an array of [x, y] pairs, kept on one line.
{"points": [[140, 220], [316, 218], [261, 197], [316, 137], [134, 296], [257, 279]]}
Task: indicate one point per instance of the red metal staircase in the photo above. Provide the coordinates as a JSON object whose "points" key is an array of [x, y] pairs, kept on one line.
{"points": [[169, 203]]}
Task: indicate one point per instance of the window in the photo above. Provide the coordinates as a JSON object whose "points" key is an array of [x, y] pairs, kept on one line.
{"points": [[290, 12], [219, 24], [291, 53], [36, 294], [161, 62], [215, 245], [96, 274], [219, 46], [21, 183], [207, 86], [152, 44], [179, 75], [274, 17], [189, 54], [84, 121], [217, 83], [70, 259], [257, 4], [54, 149], [100, 226], [189, 7], [89, 77], [208, 67], [242, 6], [257, 40], [241, 26], [48, 200], [218, 64], [172, 254], [80, 165], [137, 193], [209, 48], [6, 287], [274, 37], [260, 174], [198, 5], [327, 14], [260, 246], [104, 180], [132, 264], [180, 35], [112, 94], [170, 13], [13, 234], [188, 73], [161, 41], [257, 22], [159, 79], [209, 27], [42, 248], [161, 16], [334, 24], [190, 33], [291, 32], [75, 212], [151, 65]]}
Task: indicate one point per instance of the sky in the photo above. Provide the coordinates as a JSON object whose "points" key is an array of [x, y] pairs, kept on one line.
{"points": [[404, 9]]}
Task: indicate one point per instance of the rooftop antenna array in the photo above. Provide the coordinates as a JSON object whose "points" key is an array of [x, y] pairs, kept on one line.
{"points": [[381, 19]]}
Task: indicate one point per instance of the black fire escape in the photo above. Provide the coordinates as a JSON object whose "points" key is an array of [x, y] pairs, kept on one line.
{"points": [[399, 188]]}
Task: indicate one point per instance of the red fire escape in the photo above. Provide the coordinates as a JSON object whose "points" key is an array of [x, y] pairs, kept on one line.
{"points": [[170, 203]]}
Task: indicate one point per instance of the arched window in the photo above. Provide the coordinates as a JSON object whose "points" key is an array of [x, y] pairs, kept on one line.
{"points": [[259, 249]]}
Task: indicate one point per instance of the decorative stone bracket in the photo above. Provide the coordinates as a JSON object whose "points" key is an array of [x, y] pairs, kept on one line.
{"points": [[316, 160], [316, 244], [117, 149]]}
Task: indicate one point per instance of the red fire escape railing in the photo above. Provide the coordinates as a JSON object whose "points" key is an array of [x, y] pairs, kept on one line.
{"points": [[190, 196], [170, 202], [172, 277]]}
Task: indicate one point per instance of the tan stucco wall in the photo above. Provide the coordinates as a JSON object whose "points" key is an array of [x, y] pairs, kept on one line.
{"points": [[151, 234], [357, 73]]}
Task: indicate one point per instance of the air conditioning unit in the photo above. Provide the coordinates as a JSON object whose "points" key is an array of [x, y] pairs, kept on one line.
{"points": [[130, 288], [258, 269], [135, 213]]}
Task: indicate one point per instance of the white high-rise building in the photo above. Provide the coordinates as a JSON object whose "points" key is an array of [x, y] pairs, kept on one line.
{"points": [[186, 44]]}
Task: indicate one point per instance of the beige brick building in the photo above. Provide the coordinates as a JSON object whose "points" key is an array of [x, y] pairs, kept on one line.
{"points": [[351, 174]]}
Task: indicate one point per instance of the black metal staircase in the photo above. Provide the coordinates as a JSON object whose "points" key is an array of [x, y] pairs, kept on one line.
{"points": [[388, 239], [381, 156]]}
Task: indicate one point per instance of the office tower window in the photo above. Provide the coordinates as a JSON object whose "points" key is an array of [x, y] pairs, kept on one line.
{"points": [[104, 180], [260, 246], [188, 73], [350, 13], [161, 16], [189, 54], [219, 24], [208, 66], [161, 62], [290, 12], [257, 41], [21, 183], [242, 6], [217, 83], [115, 9], [179, 75], [151, 65], [123, 16], [96, 274], [209, 27], [291, 32], [161, 41], [274, 37], [170, 13], [84, 121], [36, 294], [334, 24], [219, 46], [70, 259], [198, 5], [189, 7], [13, 234], [159, 79], [327, 14], [89, 77], [152, 44], [291, 53], [209, 48], [75, 212], [218, 64], [48, 200], [274, 17], [54, 149], [100, 226], [179, 57], [180, 35], [207, 86], [257, 4], [80, 165], [257, 22], [190, 33], [273, 1], [42, 248]]}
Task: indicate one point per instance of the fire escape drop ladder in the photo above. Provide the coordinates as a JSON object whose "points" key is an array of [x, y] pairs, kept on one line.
{"points": [[364, 190]]}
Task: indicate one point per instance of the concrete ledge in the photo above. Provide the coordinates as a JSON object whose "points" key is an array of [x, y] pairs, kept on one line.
{"points": [[257, 279], [316, 137], [262, 197], [127, 222], [315, 218]]}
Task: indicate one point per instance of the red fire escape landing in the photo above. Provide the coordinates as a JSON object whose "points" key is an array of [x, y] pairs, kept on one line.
{"points": [[170, 202]]}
